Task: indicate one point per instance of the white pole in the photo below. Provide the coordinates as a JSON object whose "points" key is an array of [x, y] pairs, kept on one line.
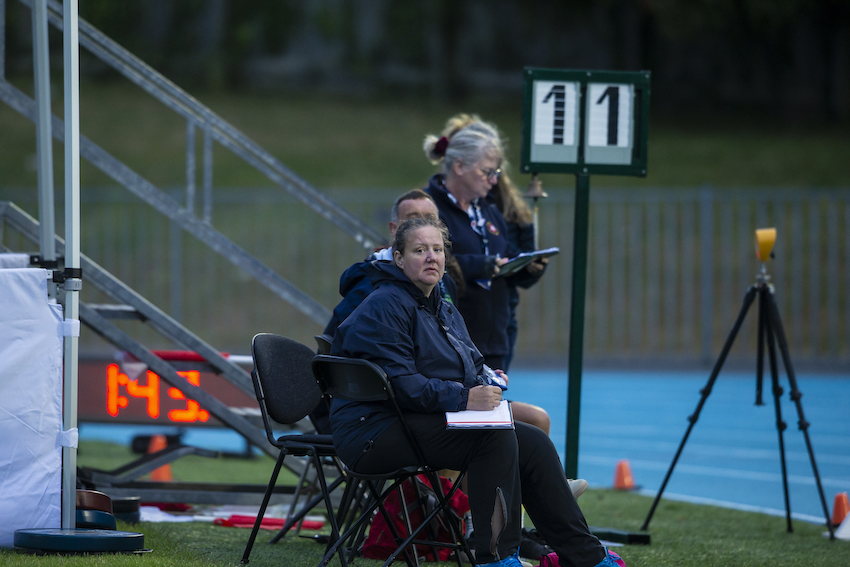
{"points": [[44, 136], [73, 280], [3, 43]]}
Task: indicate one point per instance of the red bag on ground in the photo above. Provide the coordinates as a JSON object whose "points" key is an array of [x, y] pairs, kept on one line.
{"points": [[380, 544]]}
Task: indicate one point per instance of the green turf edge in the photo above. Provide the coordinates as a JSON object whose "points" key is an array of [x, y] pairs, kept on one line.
{"points": [[683, 535]]}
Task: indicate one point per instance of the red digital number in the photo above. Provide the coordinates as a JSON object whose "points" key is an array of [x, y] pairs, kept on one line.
{"points": [[115, 401], [193, 411], [149, 391]]}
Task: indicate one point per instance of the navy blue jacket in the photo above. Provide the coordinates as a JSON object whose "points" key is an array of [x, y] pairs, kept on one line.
{"points": [[355, 284], [420, 342], [486, 311]]}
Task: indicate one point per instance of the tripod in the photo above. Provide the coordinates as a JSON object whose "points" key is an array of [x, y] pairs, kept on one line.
{"points": [[770, 332]]}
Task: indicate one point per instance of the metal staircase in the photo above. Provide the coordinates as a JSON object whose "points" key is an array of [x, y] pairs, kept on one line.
{"points": [[128, 303]]}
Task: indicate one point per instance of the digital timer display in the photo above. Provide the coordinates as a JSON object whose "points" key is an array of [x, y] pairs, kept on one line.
{"points": [[150, 392], [108, 393]]}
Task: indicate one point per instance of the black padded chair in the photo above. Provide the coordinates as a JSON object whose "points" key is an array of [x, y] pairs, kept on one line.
{"points": [[287, 391], [363, 381]]}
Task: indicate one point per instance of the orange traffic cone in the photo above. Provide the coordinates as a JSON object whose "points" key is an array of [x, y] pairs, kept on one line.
{"points": [[163, 473], [623, 479], [840, 508]]}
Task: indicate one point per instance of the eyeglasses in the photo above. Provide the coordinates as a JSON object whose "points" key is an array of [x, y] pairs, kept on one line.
{"points": [[492, 173]]}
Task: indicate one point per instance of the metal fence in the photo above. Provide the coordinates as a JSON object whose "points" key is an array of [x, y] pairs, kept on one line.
{"points": [[667, 268]]}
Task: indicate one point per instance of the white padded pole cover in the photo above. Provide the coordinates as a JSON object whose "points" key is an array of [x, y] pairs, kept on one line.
{"points": [[12, 260], [30, 403]]}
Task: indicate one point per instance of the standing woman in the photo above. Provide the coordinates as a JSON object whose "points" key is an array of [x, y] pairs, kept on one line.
{"points": [[518, 218], [470, 162]]}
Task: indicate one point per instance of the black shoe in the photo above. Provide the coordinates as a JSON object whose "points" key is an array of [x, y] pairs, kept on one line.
{"points": [[532, 546]]}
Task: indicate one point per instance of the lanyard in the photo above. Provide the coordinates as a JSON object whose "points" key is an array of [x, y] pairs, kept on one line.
{"points": [[477, 222], [479, 225]]}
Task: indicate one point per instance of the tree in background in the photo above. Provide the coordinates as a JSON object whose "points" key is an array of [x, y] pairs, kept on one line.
{"points": [[786, 58]]}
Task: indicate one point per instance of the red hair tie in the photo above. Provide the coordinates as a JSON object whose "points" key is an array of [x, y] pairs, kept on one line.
{"points": [[440, 146]]}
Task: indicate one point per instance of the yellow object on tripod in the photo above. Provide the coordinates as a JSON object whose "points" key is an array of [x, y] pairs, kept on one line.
{"points": [[765, 239]]}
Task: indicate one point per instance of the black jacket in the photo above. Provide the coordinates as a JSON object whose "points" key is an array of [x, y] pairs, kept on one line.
{"points": [[420, 342]]}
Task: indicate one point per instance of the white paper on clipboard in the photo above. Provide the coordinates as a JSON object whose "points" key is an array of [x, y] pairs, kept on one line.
{"points": [[499, 418]]}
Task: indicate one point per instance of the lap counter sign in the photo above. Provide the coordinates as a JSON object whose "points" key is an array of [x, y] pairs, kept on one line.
{"points": [[583, 122]]}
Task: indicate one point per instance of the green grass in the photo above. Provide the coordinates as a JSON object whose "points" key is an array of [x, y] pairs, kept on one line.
{"points": [[193, 468], [351, 142], [683, 535]]}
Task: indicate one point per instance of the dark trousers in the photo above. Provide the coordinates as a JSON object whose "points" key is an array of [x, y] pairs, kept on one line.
{"points": [[505, 468]]}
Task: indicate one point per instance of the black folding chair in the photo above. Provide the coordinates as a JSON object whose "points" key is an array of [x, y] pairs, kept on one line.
{"points": [[363, 381], [323, 343], [287, 391]]}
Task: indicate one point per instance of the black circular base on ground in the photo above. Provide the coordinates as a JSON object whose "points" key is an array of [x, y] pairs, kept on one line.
{"points": [[126, 504], [79, 540], [95, 519]]}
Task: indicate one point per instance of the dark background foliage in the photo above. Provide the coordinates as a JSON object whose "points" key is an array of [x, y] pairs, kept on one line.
{"points": [[788, 60]]}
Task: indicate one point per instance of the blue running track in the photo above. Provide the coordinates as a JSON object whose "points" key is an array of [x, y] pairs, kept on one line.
{"points": [[732, 455], [731, 458]]}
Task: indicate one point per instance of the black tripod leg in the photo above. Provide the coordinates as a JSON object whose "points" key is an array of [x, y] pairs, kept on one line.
{"points": [[748, 300], [776, 325], [762, 324], [777, 394]]}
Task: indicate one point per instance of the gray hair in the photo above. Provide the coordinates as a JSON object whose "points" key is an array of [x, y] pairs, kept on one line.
{"points": [[468, 145]]}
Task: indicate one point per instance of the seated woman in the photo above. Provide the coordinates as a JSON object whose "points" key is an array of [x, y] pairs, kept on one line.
{"points": [[422, 344]]}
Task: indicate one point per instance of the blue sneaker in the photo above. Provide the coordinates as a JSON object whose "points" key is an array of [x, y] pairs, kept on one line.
{"points": [[611, 560], [511, 561]]}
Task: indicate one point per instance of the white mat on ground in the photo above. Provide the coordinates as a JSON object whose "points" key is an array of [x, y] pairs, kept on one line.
{"points": [[211, 513], [30, 403]]}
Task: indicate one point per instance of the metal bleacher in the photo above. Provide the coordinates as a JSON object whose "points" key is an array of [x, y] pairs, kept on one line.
{"points": [[129, 303]]}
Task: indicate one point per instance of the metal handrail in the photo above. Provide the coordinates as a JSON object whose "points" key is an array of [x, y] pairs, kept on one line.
{"points": [[214, 127], [170, 208]]}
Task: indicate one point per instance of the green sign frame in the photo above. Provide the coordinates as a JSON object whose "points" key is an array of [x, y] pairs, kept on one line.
{"points": [[585, 122]]}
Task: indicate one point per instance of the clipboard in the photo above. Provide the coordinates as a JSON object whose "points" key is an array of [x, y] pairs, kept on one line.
{"points": [[500, 418], [520, 261]]}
